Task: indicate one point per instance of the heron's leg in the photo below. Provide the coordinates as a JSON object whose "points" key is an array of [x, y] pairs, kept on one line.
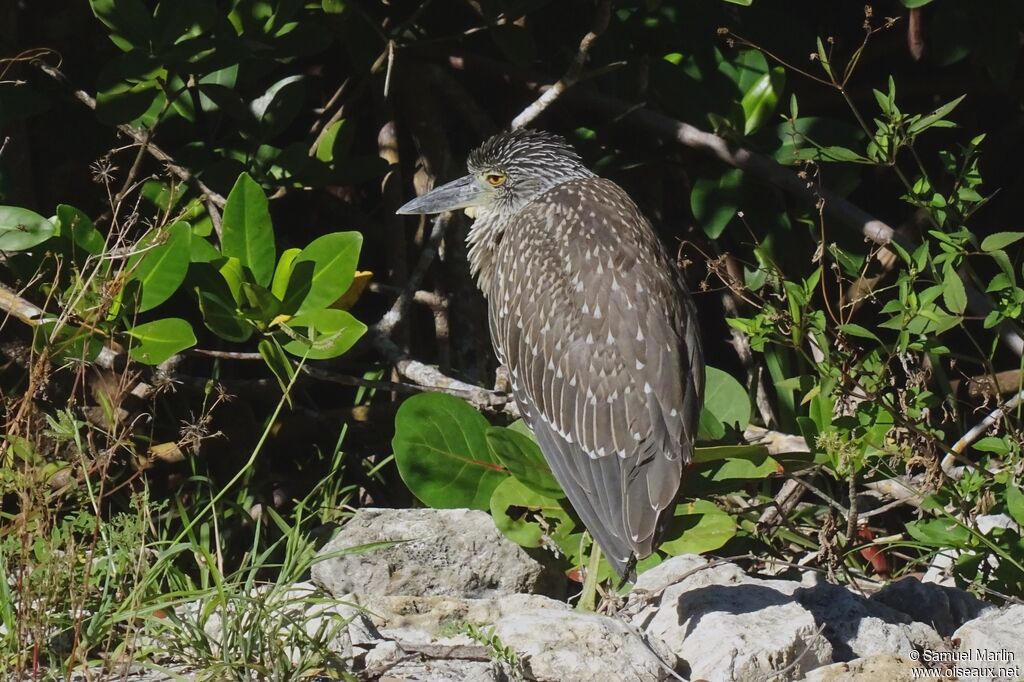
{"points": [[588, 598]]}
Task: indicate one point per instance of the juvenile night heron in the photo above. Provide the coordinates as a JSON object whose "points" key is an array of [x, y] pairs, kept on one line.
{"points": [[591, 317]]}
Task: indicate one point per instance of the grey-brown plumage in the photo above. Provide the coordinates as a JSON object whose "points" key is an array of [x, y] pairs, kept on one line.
{"points": [[598, 332]]}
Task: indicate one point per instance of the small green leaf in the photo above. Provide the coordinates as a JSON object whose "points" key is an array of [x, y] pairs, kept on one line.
{"points": [[161, 268], [939, 533], [515, 509], [322, 272], [760, 100], [442, 455], [953, 293], [221, 317], [75, 224], [258, 303], [697, 527], [278, 363], [248, 234], [935, 117], [22, 229], [1000, 240], [911, 4], [524, 460], [322, 334], [158, 340], [1015, 503], [859, 331], [283, 272]]}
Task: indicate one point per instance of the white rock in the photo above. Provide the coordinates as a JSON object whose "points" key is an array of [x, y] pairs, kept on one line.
{"points": [[880, 668], [727, 626], [455, 552], [998, 635], [944, 608], [570, 646]]}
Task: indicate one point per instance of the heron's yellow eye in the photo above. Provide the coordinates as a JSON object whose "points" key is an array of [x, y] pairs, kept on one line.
{"points": [[495, 179]]}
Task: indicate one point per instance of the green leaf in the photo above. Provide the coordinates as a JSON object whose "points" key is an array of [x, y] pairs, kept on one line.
{"points": [[935, 117], [221, 317], [1000, 240], [258, 303], [441, 452], [283, 272], [278, 363], [322, 272], [248, 234], [697, 527], [725, 402], [129, 21], [158, 340], [515, 509], [715, 201], [326, 333], [75, 224], [279, 105], [22, 229], [161, 268], [744, 3], [939, 533], [760, 100], [524, 460], [911, 4], [953, 293], [859, 331], [1015, 503]]}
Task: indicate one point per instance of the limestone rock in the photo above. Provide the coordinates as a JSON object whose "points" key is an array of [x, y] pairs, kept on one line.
{"points": [[871, 669], [998, 636], [944, 608], [455, 552]]}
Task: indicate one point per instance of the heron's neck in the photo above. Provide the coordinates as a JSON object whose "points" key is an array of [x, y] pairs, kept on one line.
{"points": [[484, 237]]}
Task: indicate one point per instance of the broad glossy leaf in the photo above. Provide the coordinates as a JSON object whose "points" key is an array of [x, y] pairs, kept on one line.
{"points": [[282, 101], [442, 454], [697, 527], [161, 267], [76, 225], [130, 22], [222, 318], [258, 303], [156, 341], [516, 510], [715, 201], [283, 272], [22, 229], [725, 403], [331, 332], [760, 100], [248, 234], [522, 457], [322, 272]]}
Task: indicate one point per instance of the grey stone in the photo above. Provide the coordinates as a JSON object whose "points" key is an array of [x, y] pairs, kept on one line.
{"points": [[454, 552], [858, 627], [998, 636], [727, 626], [880, 668], [944, 608], [558, 645]]}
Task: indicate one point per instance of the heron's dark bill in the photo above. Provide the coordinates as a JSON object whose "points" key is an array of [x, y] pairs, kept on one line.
{"points": [[462, 193]]}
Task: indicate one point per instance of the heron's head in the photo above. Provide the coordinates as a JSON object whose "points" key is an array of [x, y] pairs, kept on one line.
{"points": [[505, 173]]}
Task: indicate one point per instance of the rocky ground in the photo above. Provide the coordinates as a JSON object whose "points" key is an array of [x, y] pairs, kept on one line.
{"points": [[458, 602]]}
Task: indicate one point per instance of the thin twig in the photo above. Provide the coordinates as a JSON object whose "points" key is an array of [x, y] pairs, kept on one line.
{"points": [[214, 202], [955, 472], [572, 76]]}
